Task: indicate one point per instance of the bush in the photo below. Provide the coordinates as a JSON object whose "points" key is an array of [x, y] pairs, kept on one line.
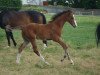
{"points": [[32, 7], [10, 5]]}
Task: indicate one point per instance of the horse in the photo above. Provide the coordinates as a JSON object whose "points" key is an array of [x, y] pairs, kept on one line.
{"points": [[98, 34], [9, 34], [15, 19], [49, 31]]}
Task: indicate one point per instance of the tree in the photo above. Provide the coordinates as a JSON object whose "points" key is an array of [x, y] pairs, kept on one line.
{"points": [[90, 4], [87, 4], [98, 4], [10, 5]]}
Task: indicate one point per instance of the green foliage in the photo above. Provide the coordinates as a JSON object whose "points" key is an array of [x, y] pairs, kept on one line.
{"points": [[59, 2], [10, 4], [98, 4], [32, 7], [87, 4]]}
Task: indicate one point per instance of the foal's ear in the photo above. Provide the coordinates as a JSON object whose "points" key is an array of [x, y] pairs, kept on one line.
{"points": [[69, 12]]}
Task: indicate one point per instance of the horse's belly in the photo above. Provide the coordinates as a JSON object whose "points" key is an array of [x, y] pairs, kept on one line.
{"points": [[43, 36]]}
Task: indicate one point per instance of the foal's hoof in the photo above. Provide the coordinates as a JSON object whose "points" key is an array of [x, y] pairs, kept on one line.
{"points": [[72, 62], [7, 47], [17, 62]]}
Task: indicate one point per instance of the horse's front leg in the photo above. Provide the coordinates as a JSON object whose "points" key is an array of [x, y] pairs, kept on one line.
{"points": [[65, 47]]}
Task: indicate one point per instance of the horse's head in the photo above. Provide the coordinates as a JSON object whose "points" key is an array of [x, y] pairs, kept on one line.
{"points": [[71, 18]]}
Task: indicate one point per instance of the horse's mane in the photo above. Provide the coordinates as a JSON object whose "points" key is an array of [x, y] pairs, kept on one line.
{"points": [[59, 14]]}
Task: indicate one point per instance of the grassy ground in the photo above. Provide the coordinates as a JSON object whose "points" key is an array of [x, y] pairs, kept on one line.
{"points": [[82, 48]]}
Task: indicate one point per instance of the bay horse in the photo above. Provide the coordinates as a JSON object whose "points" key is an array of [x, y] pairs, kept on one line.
{"points": [[50, 31], [15, 19], [98, 34]]}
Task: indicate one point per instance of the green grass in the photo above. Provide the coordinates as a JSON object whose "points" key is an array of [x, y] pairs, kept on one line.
{"points": [[82, 48]]}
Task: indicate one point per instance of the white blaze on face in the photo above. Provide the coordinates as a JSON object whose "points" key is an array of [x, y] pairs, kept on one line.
{"points": [[75, 20]]}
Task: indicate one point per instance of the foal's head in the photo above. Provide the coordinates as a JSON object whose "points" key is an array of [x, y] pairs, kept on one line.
{"points": [[71, 18]]}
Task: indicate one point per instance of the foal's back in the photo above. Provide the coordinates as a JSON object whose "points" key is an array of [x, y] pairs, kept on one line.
{"points": [[39, 31]]}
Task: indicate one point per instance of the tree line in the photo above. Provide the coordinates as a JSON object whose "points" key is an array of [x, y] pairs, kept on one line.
{"points": [[87, 4], [10, 5]]}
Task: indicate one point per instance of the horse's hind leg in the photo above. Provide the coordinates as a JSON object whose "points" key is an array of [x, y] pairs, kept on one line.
{"points": [[8, 37], [11, 35], [23, 45], [37, 52], [57, 39]]}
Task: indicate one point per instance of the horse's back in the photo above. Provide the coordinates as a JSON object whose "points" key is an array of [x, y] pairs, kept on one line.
{"points": [[15, 18], [20, 18], [36, 17]]}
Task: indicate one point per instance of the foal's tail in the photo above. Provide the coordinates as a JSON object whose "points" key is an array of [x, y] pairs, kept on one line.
{"points": [[98, 34]]}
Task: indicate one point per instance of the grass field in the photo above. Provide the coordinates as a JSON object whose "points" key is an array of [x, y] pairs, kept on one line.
{"points": [[82, 48]]}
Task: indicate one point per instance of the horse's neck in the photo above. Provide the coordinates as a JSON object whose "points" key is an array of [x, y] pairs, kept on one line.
{"points": [[59, 22], [58, 25]]}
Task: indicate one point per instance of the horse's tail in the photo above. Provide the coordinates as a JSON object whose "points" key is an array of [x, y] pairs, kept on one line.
{"points": [[44, 18], [98, 34]]}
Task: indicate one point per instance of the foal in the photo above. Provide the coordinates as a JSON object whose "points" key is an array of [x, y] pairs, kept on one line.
{"points": [[50, 31]]}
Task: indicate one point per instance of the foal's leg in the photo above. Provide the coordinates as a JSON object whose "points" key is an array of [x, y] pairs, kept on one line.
{"points": [[23, 45], [57, 39], [37, 52]]}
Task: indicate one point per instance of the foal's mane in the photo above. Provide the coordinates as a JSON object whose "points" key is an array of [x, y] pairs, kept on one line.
{"points": [[59, 14]]}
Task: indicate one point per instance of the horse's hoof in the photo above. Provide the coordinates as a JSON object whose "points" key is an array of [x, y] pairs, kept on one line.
{"points": [[15, 45]]}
